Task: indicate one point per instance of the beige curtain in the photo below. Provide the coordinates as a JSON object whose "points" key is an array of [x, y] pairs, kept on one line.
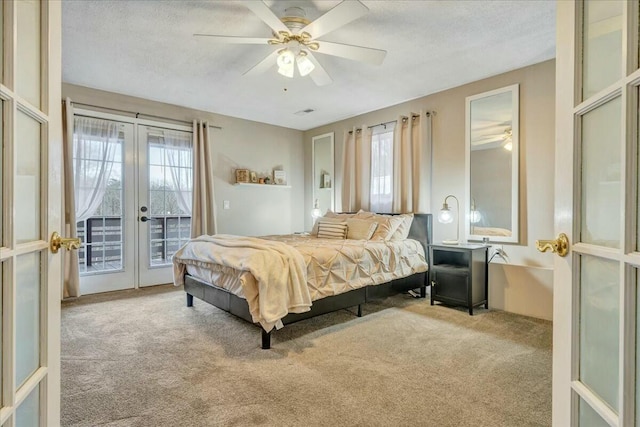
{"points": [[71, 285], [356, 169], [412, 163], [203, 219]]}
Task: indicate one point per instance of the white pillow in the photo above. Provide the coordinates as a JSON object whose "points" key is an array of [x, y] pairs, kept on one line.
{"points": [[402, 232], [360, 229], [387, 224], [332, 230]]}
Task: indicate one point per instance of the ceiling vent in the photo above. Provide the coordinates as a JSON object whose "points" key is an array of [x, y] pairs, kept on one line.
{"points": [[304, 112]]}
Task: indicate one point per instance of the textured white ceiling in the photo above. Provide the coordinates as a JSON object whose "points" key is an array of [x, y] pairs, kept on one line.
{"points": [[146, 49]]}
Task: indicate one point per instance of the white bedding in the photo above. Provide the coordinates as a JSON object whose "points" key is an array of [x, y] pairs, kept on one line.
{"points": [[331, 267], [279, 271]]}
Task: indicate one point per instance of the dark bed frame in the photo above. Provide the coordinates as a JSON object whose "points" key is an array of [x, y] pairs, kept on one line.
{"points": [[421, 230]]}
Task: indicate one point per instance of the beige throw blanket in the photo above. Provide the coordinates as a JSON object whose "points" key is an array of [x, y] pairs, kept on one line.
{"points": [[280, 272]]}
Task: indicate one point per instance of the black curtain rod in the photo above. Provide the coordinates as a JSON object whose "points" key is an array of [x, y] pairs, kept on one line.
{"points": [[413, 116], [136, 114]]}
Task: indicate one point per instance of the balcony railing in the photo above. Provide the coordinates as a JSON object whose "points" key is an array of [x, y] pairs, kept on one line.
{"points": [[102, 241]]}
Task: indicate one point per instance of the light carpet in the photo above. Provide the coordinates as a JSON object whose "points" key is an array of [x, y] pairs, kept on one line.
{"points": [[142, 358]]}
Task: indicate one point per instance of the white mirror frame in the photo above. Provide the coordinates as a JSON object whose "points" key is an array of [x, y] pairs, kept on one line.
{"points": [[515, 166], [315, 182]]}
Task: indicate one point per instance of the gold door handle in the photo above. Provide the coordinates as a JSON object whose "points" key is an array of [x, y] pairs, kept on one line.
{"points": [[57, 242], [559, 245]]}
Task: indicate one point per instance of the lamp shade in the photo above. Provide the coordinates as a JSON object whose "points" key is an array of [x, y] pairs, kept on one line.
{"points": [[305, 66], [285, 62], [316, 212], [474, 213], [445, 216]]}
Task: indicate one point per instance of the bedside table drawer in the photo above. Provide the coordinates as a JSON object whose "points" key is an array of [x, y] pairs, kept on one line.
{"points": [[450, 286]]}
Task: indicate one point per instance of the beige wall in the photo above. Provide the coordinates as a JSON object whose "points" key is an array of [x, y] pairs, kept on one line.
{"points": [[240, 144], [537, 124]]}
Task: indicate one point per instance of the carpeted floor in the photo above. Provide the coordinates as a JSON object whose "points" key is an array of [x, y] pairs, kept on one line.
{"points": [[142, 358]]}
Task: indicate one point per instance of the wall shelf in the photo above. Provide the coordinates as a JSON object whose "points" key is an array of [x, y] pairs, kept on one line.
{"points": [[251, 184]]}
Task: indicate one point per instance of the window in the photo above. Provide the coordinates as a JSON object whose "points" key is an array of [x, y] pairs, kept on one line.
{"points": [[381, 192]]}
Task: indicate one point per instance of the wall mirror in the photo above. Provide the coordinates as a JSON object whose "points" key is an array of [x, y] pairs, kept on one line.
{"points": [[492, 165], [323, 173]]}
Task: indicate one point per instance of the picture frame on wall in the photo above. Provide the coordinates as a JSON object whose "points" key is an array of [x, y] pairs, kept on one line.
{"points": [[326, 180], [279, 177], [242, 175]]}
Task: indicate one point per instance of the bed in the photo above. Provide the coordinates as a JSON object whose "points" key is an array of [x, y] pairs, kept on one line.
{"points": [[237, 287]]}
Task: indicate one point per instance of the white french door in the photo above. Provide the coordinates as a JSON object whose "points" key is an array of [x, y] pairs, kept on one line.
{"points": [[164, 199], [30, 173], [108, 234], [596, 333], [144, 215]]}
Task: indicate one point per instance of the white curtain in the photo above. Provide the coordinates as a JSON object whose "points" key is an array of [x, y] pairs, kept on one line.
{"points": [[412, 163], [203, 219], [356, 167], [178, 147], [95, 143], [381, 189]]}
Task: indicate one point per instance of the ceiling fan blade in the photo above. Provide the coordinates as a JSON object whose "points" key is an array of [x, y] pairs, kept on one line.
{"points": [[319, 75], [262, 66], [340, 15], [357, 53], [267, 15], [234, 39]]}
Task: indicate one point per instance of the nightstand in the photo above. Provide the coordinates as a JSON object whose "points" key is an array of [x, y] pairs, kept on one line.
{"points": [[459, 275]]}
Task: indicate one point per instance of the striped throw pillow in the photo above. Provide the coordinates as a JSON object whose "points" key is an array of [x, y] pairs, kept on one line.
{"points": [[332, 230]]}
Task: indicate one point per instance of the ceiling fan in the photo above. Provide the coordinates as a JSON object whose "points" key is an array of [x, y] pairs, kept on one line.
{"points": [[296, 38]]}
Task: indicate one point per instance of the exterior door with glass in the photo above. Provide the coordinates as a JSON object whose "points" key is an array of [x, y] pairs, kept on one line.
{"points": [[30, 173], [597, 206], [104, 172], [165, 186]]}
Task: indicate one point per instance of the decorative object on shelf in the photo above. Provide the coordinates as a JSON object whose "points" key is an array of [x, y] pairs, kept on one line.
{"points": [[242, 175], [446, 217], [316, 212], [279, 177], [253, 177], [267, 180], [326, 180], [261, 180]]}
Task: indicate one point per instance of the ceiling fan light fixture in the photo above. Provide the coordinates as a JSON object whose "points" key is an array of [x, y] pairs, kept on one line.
{"points": [[285, 58], [305, 66], [286, 71], [285, 62]]}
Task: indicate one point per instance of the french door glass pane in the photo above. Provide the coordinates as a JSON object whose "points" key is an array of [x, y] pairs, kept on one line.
{"points": [[601, 161], [28, 413], [102, 234], [27, 316], [602, 45], [588, 417], [599, 326], [27, 180], [170, 189], [28, 49]]}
